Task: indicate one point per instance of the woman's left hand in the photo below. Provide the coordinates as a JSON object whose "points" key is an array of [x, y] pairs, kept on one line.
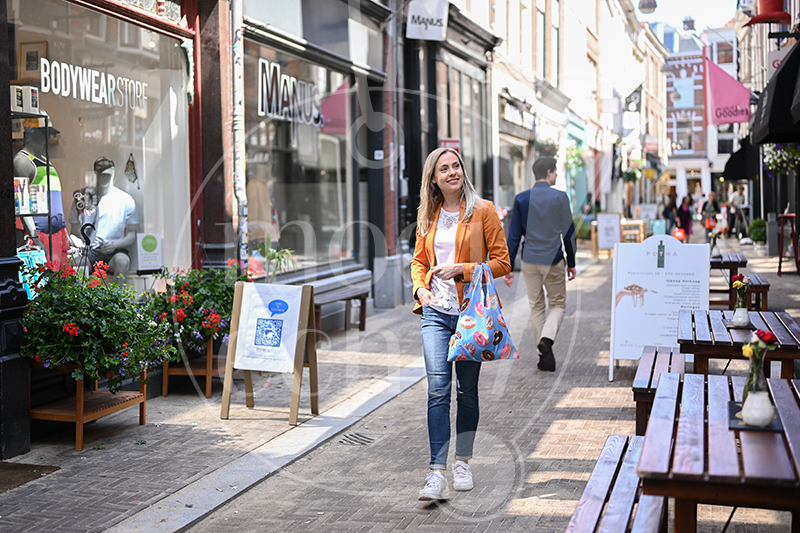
{"points": [[448, 271]]}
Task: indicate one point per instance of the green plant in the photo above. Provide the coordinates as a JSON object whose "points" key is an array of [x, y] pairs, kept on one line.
{"points": [[197, 304], [758, 230], [583, 228], [576, 158], [781, 158], [91, 323], [545, 148], [283, 259]]}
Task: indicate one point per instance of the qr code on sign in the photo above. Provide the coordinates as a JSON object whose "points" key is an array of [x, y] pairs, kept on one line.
{"points": [[268, 332]]}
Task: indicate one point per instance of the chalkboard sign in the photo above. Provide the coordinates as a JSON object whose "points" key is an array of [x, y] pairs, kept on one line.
{"points": [[272, 330]]}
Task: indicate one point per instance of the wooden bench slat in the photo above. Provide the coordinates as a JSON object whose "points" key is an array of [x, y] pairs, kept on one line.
{"points": [[740, 336], [685, 330], [789, 413], [649, 513], [790, 324], [655, 459], [741, 258], [594, 496], [757, 321], [644, 372], [738, 387], [784, 337], [719, 330], [701, 331], [661, 365], [623, 495], [336, 295], [764, 457], [678, 365], [689, 460], [723, 461]]}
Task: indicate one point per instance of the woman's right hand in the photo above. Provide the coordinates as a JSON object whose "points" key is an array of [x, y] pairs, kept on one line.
{"points": [[425, 297]]}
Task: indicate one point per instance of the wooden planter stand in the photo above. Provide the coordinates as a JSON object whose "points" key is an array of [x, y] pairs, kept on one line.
{"points": [[209, 366], [84, 408]]}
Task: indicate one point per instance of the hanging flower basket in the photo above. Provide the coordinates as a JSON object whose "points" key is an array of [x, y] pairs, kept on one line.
{"points": [[576, 158], [545, 148], [781, 158]]}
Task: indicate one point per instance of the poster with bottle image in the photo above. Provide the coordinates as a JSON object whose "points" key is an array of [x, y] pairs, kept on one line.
{"points": [[652, 282]]}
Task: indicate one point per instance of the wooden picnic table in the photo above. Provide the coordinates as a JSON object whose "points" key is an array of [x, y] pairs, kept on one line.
{"points": [[704, 334], [690, 454], [730, 262]]}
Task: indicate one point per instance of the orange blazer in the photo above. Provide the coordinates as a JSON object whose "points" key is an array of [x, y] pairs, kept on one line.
{"points": [[481, 237]]}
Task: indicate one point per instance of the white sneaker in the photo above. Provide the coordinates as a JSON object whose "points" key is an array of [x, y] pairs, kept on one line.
{"points": [[435, 487], [462, 476]]}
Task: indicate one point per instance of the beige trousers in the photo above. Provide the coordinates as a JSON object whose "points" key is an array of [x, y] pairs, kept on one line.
{"points": [[553, 279]]}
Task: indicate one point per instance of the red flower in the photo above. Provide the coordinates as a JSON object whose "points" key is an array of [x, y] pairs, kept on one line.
{"points": [[71, 328], [766, 336], [94, 283], [100, 269], [180, 315], [68, 271], [233, 262], [173, 299], [737, 277], [51, 266]]}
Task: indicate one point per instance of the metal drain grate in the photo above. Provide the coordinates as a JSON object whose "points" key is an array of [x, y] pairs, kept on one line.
{"points": [[356, 439]]}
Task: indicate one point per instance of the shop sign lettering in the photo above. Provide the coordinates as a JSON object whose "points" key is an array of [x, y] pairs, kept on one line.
{"points": [[63, 79], [520, 118], [285, 97]]}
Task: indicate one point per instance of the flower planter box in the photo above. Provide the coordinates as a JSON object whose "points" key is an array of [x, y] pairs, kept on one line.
{"points": [[86, 407], [207, 366]]}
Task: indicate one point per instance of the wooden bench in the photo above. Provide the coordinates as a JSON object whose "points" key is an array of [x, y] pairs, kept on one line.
{"points": [[346, 295], [654, 362], [612, 493], [206, 366], [756, 296]]}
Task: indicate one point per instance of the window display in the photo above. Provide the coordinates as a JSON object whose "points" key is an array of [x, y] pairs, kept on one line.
{"points": [[299, 171], [110, 95]]}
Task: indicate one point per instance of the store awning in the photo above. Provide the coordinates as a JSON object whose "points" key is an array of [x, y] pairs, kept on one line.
{"points": [[772, 121], [743, 163]]}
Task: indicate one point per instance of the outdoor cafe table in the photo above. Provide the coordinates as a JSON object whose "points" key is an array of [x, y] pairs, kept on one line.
{"points": [[691, 455], [706, 336], [731, 262]]}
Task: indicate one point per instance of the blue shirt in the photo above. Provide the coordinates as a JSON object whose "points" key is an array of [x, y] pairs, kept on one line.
{"points": [[543, 216]]}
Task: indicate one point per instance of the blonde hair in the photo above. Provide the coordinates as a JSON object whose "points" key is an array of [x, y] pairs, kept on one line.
{"points": [[431, 196]]}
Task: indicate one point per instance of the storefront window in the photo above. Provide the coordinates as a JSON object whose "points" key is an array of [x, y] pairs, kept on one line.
{"points": [[299, 176], [111, 89], [511, 173]]}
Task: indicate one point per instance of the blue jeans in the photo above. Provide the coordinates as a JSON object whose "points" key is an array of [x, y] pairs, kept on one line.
{"points": [[437, 328]]}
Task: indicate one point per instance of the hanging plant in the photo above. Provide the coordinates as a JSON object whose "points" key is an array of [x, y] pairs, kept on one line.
{"points": [[781, 158], [632, 174], [545, 148], [576, 157]]}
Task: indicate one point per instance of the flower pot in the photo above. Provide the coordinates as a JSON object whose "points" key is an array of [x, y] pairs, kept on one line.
{"points": [[741, 319], [758, 409], [760, 248]]}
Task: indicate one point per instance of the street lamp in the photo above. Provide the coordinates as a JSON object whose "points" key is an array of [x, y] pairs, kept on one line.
{"points": [[647, 6]]}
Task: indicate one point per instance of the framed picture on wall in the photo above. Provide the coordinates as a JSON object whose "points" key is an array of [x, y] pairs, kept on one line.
{"points": [[30, 55]]}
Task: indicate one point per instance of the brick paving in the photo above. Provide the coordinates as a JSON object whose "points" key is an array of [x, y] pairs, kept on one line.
{"points": [[539, 437]]}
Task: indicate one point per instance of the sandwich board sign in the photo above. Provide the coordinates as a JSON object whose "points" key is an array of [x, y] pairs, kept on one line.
{"points": [[608, 230], [652, 282], [272, 330]]}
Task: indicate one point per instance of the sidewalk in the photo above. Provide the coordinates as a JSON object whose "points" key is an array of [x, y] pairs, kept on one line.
{"points": [[539, 437]]}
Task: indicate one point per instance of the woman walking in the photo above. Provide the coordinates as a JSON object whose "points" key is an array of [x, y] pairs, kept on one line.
{"points": [[455, 230], [685, 214]]}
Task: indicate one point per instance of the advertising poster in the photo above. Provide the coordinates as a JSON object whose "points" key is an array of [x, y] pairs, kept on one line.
{"points": [[652, 282], [608, 230], [148, 251], [268, 325]]}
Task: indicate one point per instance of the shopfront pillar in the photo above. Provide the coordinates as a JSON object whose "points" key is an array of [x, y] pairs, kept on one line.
{"points": [[14, 404]]}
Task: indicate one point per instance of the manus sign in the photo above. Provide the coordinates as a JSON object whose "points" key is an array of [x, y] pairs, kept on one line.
{"points": [[285, 97], [427, 20]]}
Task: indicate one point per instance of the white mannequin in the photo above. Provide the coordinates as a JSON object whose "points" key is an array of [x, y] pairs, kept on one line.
{"points": [[111, 251], [25, 168]]}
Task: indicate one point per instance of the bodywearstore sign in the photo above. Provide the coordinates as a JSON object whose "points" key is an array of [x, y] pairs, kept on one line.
{"points": [[89, 85]]}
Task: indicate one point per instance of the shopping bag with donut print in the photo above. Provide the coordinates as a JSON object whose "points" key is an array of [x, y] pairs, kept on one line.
{"points": [[481, 334]]}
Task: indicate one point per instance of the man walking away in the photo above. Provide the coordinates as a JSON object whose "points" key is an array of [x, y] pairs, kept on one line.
{"points": [[542, 215], [736, 220]]}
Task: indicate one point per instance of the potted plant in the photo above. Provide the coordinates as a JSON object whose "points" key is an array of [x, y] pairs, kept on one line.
{"points": [[758, 233], [90, 324], [195, 310], [283, 259]]}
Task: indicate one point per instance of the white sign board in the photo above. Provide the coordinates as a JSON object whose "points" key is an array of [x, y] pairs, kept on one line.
{"points": [[268, 324], [608, 230], [775, 58], [427, 20], [648, 211], [148, 251], [652, 282]]}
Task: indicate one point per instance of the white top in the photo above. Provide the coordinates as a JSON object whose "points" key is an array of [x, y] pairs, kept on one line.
{"points": [[115, 210], [444, 246]]}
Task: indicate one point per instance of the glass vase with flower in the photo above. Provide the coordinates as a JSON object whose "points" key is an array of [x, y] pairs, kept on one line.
{"points": [[741, 318], [757, 409]]}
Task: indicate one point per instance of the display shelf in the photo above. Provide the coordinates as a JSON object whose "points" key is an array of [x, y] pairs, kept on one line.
{"points": [[86, 407]]}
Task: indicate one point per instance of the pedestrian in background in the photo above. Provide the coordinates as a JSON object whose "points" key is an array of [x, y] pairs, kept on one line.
{"points": [[671, 212], [543, 217], [455, 230], [735, 219], [710, 212], [685, 217]]}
